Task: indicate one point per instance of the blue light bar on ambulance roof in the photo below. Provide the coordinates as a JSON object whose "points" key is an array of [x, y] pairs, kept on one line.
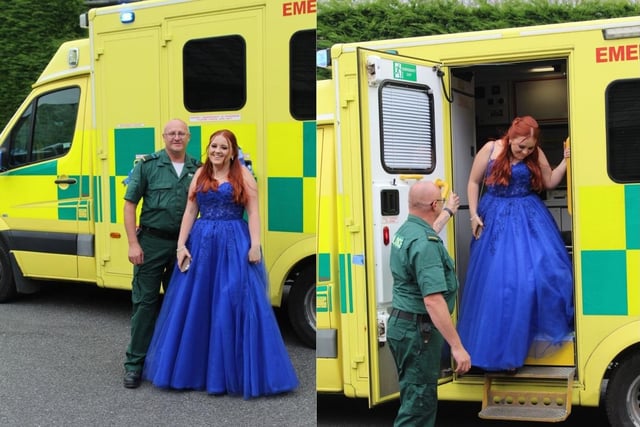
{"points": [[127, 17]]}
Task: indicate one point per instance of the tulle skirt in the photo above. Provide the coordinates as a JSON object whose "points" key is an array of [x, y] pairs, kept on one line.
{"points": [[216, 330], [519, 284]]}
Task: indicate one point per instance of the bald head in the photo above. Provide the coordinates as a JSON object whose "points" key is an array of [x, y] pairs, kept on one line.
{"points": [[176, 124], [423, 193], [422, 196]]}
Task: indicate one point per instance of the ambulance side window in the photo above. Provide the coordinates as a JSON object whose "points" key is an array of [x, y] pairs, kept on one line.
{"points": [[407, 129], [302, 75], [45, 129], [19, 139], [215, 71], [623, 130]]}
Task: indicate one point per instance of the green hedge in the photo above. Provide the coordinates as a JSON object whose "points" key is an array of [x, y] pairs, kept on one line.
{"points": [[341, 21], [346, 21], [31, 32]]}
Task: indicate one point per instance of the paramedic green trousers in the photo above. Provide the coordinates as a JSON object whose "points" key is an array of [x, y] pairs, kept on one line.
{"points": [[159, 261], [418, 367]]}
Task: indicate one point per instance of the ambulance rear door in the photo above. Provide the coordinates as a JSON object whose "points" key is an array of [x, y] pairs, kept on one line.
{"points": [[402, 142]]}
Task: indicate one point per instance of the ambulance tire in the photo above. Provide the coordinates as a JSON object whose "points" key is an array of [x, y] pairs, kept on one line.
{"points": [[623, 393], [301, 306], [7, 284]]}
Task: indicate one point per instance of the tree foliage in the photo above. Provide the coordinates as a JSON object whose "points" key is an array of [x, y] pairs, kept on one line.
{"points": [[343, 21], [31, 32], [347, 21]]}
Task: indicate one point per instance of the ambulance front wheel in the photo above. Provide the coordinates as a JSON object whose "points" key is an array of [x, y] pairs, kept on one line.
{"points": [[7, 284], [623, 393], [301, 305]]}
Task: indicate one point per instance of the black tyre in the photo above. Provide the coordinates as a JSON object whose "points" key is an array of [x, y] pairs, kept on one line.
{"points": [[7, 284], [301, 305], [623, 394]]}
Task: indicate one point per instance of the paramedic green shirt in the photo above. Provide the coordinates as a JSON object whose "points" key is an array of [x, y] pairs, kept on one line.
{"points": [[420, 266], [165, 194]]}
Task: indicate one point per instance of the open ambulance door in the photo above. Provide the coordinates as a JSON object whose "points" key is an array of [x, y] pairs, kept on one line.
{"points": [[402, 141]]}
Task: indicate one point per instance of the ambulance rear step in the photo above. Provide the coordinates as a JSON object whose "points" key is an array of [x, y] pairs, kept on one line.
{"points": [[503, 400]]}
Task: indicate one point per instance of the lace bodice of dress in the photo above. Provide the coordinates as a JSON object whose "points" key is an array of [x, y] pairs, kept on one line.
{"points": [[219, 205], [520, 184]]}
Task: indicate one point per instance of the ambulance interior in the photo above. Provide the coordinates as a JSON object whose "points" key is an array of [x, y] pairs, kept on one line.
{"points": [[486, 98]]}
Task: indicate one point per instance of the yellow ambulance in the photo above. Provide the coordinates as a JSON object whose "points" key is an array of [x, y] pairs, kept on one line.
{"points": [[581, 81], [101, 102]]}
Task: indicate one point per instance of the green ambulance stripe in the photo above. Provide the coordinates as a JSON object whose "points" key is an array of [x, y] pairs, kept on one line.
{"points": [[346, 283], [286, 194], [604, 282], [97, 204], [346, 286], [324, 275], [129, 143], [324, 291], [604, 273], [69, 198], [324, 267], [68, 210], [39, 169], [632, 215]]}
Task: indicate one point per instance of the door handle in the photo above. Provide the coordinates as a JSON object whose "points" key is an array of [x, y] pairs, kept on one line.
{"points": [[66, 181]]}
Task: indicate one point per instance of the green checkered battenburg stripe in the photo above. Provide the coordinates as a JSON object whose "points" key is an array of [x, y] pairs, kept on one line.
{"points": [[286, 195]]}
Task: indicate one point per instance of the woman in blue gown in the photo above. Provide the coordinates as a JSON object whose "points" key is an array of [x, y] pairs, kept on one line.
{"points": [[519, 282], [216, 330]]}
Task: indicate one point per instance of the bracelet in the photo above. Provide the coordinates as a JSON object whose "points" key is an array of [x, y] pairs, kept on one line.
{"points": [[473, 217], [449, 211], [181, 248]]}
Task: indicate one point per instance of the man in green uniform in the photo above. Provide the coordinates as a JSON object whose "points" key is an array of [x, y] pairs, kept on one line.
{"points": [[162, 181], [424, 292]]}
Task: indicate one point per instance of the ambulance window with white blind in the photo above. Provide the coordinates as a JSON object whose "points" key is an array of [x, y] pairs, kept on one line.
{"points": [[215, 74], [623, 130], [407, 140], [44, 131], [302, 75]]}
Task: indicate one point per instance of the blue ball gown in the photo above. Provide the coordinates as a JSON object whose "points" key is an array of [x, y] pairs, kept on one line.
{"points": [[519, 283], [216, 330]]}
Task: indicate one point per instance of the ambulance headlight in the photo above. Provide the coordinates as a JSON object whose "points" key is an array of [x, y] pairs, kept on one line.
{"points": [[127, 17]]}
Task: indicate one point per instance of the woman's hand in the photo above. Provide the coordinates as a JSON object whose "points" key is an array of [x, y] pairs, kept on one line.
{"points": [[183, 255], [476, 226], [255, 254]]}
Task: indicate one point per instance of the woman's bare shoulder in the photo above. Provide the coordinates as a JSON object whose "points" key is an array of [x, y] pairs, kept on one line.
{"points": [[493, 148]]}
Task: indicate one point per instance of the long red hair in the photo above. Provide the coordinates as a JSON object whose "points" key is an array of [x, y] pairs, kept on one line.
{"points": [[206, 181], [500, 173]]}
